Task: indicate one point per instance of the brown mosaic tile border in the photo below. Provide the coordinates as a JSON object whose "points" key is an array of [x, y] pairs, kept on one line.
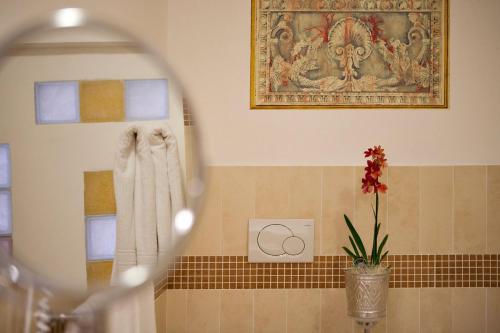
{"points": [[408, 271]]}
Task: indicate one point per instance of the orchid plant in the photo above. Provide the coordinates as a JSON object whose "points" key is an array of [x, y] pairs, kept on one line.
{"points": [[370, 185]]}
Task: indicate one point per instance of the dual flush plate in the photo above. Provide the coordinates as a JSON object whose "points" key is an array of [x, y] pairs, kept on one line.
{"points": [[280, 240]]}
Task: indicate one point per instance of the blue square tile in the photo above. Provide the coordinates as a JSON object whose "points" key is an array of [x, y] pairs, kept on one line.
{"points": [[101, 237], [5, 213], [146, 99], [57, 102], [4, 166]]}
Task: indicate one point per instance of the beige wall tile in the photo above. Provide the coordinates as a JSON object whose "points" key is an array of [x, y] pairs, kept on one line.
{"points": [[338, 199], [436, 210], [470, 209], [435, 310], [363, 215], [305, 198], [176, 304], [493, 228], [101, 101], [203, 311], [303, 310], [334, 312], [493, 310], [403, 203], [270, 311], [403, 307], [272, 192], [236, 311], [238, 205], [206, 238], [468, 310], [161, 313]]}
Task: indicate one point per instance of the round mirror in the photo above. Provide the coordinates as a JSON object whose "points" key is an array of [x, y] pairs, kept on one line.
{"points": [[99, 167]]}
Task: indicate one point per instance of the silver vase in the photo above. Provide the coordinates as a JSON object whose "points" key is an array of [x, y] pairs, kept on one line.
{"points": [[367, 295]]}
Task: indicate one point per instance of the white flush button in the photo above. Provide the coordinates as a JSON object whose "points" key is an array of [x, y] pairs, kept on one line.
{"points": [[294, 245], [270, 239], [280, 240]]}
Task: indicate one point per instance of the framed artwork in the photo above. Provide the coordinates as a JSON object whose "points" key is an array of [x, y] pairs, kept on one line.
{"points": [[313, 54]]}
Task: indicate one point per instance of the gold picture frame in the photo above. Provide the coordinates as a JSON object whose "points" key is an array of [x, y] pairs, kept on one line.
{"points": [[337, 54]]}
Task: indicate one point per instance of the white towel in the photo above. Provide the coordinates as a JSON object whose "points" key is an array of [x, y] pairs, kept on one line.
{"points": [[169, 193]]}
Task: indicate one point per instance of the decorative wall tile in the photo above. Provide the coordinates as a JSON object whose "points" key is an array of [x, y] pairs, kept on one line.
{"points": [[146, 99], [436, 210], [101, 237], [470, 209], [5, 166], [99, 194], [57, 102], [5, 213], [101, 101], [403, 203]]}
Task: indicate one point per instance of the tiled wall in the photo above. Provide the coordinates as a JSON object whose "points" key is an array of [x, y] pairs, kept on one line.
{"points": [[427, 211]]}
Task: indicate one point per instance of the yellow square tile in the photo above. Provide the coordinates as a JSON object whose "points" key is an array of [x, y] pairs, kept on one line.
{"points": [[101, 101], [99, 193], [99, 272]]}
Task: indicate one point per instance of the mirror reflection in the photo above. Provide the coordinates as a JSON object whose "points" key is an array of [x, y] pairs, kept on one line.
{"points": [[96, 149]]}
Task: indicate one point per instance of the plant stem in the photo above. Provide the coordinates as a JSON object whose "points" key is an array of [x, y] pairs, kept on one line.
{"points": [[375, 236]]}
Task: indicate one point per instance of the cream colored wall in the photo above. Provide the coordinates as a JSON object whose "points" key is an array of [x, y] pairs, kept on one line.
{"points": [[209, 42], [48, 161]]}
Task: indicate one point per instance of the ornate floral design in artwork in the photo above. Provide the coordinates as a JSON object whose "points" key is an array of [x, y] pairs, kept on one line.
{"points": [[349, 53]]}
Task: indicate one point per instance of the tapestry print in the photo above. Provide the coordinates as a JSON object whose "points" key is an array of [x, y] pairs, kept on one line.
{"points": [[349, 53]]}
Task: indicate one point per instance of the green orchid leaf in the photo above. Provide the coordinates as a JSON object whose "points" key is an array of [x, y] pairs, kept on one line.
{"points": [[349, 252], [354, 246], [383, 257], [356, 237], [381, 247]]}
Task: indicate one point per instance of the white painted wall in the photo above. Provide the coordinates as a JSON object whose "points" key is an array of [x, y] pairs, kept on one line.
{"points": [[209, 44]]}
